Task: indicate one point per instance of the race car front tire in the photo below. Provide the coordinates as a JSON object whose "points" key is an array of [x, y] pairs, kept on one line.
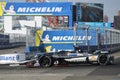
{"points": [[46, 61]]}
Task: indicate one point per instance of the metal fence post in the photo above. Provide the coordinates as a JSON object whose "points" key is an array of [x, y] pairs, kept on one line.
{"points": [[75, 26], [106, 39], [98, 39], [110, 41], [87, 43]]}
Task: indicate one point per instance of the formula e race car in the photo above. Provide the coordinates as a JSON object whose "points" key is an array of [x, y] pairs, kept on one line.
{"points": [[100, 57]]}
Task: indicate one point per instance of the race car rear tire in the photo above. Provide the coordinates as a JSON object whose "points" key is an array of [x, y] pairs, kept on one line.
{"points": [[46, 61], [103, 59]]}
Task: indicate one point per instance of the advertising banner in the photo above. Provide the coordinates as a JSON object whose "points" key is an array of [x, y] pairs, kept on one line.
{"points": [[64, 39], [39, 9], [52, 8], [95, 24], [11, 58]]}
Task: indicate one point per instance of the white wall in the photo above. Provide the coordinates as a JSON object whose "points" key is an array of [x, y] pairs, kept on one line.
{"points": [[8, 26]]}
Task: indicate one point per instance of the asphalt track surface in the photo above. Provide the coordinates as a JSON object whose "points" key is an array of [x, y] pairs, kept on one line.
{"points": [[70, 72]]}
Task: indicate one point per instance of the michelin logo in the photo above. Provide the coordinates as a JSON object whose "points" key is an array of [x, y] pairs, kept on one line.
{"points": [[46, 39], [39, 9], [30, 9], [65, 38], [10, 10]]}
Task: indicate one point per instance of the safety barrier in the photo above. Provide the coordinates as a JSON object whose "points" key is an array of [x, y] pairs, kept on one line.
{"points": [[12, 40]]}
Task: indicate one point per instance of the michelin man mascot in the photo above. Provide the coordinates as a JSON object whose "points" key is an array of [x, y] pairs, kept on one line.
{"points": [[10, 10]]}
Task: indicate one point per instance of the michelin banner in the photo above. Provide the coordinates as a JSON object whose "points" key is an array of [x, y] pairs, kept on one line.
{"points": [[64, 39], [52, 8], [95, 24]]}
